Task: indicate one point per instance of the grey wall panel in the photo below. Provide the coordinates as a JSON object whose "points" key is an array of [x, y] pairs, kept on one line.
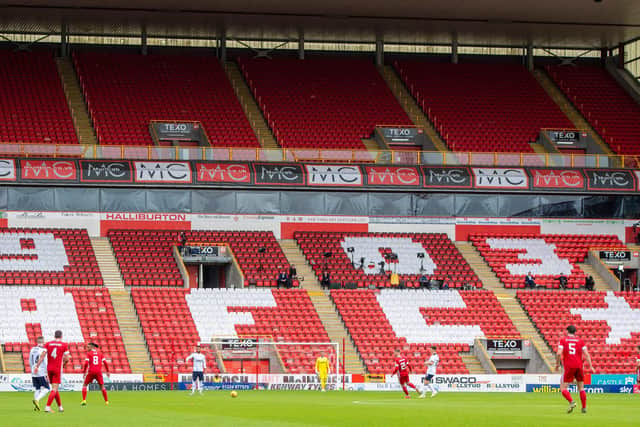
{"points": [[602, 207], [390, 204], [518, 205], [4, 198], [169, 201], [77, 199], [346, 204], [258, 202], [123, 200], [302, 202], [213, 201], [561, 206], [31, 199], [435, 204], [476, 205]]}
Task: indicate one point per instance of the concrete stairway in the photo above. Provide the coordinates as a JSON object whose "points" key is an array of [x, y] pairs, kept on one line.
{"points": [[480, 267], [13, 362], [250, 107], [472, 363], [75, 99], [107, 263], [134, 343], [601, 284], [409, 104], [324, 307], [371, 145], [567, 107]]}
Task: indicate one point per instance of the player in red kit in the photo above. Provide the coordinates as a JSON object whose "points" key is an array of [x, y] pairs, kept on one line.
{"points": [[638, 365], [57, 356], [92, 369], [571, 351], [403, 369]]}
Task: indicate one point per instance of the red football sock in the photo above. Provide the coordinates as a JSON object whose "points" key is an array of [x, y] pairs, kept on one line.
{"points": [[583, 398], [412, 386], [52, 395], [404, 388], [58, 399], [84, 393], [567, 395], [104, 394]]}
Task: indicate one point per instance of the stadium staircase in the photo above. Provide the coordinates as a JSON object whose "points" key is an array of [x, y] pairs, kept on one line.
{"points": [[409, 105], [472, 363], [507, 300], [324, 306], [567, 108], [601, 284], [132, 337], [251, 110], [73, 93], [13, 362]]}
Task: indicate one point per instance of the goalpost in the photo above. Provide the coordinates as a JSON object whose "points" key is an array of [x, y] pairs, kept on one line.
{"points": [[268, 361]]}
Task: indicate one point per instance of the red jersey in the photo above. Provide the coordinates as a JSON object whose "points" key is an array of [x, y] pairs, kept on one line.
{"points": [[402, 367], [572, 348], [55, 353], [94, 361]]}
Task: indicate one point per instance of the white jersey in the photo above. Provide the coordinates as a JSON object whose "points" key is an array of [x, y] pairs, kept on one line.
{"points": [[34, 354], [435, 360], [199, 362]]}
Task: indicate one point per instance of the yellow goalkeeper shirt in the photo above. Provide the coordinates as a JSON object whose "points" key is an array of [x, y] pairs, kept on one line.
{"points": [[322, 365]]}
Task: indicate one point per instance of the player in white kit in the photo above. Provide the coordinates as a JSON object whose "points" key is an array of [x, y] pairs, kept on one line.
{"points": [[38, 377], [199, 365], [432, 368]]}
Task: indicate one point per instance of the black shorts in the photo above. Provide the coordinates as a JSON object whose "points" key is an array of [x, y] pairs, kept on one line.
{"points": [[428, 377], [40, 382], [197, 376]]}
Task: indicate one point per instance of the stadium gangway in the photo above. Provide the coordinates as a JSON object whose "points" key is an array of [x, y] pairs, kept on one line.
{"points": [[388, 157]]}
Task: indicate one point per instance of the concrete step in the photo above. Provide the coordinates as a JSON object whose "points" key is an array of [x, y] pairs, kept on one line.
{"points": [[109, 268], [601, 284], [13, 362], [75, 99], [480, 267]]}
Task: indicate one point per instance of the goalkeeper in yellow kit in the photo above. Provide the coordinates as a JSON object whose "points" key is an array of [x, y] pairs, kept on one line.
{"points": [[322, 371]]}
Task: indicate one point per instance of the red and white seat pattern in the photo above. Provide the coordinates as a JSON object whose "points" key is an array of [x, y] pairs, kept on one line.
{"points": [[146, 259], [49, 257], [175, 320], [82, 314], [608, 322], [546, 256], [322, 102], [442, 260], [412, 320], [33, 107], [126, 91], [482, 107]]}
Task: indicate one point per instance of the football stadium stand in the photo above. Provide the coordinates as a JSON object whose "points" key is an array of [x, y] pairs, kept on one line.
{"points": [[381, 321], [606, 321], [482, 107], [175, 320], [606, 106], [124, 92], [33, 107], [322, 102], [146, 259], [546, 256], [83, 314], [49, 257], [439, 259]]}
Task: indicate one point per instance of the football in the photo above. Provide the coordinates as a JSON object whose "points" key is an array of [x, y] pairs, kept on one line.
{"points": [[234, 394]]}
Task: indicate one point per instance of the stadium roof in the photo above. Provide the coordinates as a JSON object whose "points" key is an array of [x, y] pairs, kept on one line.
{"points": [[580, 23]]}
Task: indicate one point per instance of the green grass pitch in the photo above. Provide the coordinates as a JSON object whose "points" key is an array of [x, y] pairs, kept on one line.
{"points": [[304, 408]]}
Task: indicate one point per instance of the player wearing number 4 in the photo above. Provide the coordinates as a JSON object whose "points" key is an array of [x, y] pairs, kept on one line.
{"points": [[57, 353], [92, 369], [432, 367], [571, 351], [199, 365]]}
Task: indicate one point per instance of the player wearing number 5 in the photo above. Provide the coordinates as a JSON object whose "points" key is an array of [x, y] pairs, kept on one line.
{"points": [[92, 369], [322, 371], [57, 353], [571, 352]]}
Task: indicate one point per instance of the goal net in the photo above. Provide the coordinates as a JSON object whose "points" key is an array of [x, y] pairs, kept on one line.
{"points": [[266, 361]]}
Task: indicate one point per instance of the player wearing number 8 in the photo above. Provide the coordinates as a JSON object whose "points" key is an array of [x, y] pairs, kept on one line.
{"points": [[571, 351], [92, 369]]}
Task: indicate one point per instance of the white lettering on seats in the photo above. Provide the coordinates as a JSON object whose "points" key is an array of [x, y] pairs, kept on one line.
{"points": [[32, 252], [535, 249], [54, 310], [402, 309], [621, 318], [406, 249], [210, 309]]}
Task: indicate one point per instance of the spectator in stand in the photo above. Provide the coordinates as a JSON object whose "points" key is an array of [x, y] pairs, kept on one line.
{"points": [[529, 281], [283, 279], [395, 280], [424, 281], [183, 242], [293, 274], [563, 281], [325, 281], [589, 283]]}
